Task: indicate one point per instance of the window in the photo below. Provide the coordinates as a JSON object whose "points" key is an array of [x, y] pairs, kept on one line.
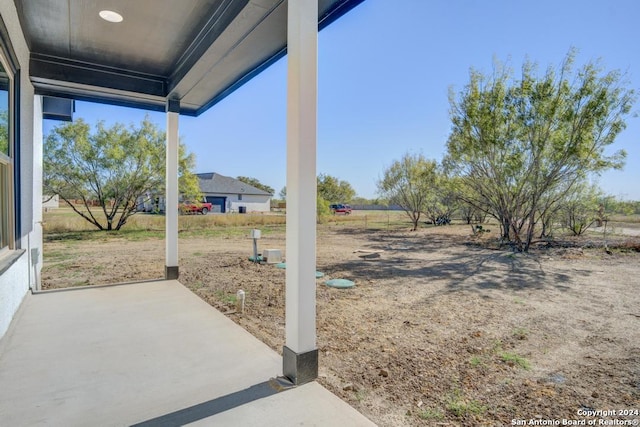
{"points": [[7, 145], [239, 196], [4, 111]]}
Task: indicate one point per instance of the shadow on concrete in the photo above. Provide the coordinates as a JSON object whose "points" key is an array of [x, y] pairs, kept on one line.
{"points": [[212, 407]]}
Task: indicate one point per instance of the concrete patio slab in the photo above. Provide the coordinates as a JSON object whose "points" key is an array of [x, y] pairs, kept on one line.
{"points": [[149, 354]]}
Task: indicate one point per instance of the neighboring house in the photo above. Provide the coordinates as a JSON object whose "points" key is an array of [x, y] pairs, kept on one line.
{"points": [[50, 202], [227, 194], [150, 203]]}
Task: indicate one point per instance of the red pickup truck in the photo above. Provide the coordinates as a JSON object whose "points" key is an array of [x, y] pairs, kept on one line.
{"points": [[195, 208], [340, 208]]}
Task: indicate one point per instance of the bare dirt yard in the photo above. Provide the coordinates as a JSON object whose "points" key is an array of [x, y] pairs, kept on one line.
{"points": [[440, 329]]}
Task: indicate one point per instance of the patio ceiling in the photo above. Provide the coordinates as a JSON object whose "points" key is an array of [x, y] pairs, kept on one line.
{"points": [[194, 51]]}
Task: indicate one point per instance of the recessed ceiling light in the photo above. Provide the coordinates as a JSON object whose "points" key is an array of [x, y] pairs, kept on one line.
{"points": [[111, 16]]}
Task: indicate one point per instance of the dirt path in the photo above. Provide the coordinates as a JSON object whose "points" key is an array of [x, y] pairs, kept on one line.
{"points": [[438, 330]]}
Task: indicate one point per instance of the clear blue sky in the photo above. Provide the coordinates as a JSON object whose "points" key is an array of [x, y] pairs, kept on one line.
{"points": [[385, 70]]}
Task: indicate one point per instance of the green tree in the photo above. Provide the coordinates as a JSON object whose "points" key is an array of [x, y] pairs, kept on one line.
{"points": [[334, 190], [4, 131], [331, 189], [443, 199], [550, 207], [109, 170], [254, 182], [188, 182], [579, 209], [322, 209], [358, 200], [513, 141], [409, 183], [627, 207], [608, 205]]}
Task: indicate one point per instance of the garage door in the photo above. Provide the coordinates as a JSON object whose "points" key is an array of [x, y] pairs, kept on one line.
{"points": [[218, 203]]}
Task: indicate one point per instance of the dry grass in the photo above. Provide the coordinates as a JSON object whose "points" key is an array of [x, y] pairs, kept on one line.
{"points": [[371, 220], [197, 222], [627, 219], [64, 220]]}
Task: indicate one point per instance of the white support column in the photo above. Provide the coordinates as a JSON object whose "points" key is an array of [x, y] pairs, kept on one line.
{"points": [[300, 356], [171, 198], [35, 237]]}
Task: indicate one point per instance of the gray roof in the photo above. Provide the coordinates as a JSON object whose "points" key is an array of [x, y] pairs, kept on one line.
{"points": [[212, 182]]}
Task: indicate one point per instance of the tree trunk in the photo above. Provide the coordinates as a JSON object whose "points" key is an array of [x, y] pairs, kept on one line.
{"points": [[531, 227], [505, 227], [416, 219], [546, 228]]}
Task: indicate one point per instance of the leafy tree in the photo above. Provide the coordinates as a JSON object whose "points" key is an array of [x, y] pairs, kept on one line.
{"points": [[467, 212], [322, 206], [364, 201], [579, 209], [360, 201], [549, 209], [627, 207], [331, 189], [443, 199], [466, 204], [334, 190], [4, 131], [513, 142], [254, 182], [322, 209], [188, 182], [609, 204], [409, 183], [110, 169]]}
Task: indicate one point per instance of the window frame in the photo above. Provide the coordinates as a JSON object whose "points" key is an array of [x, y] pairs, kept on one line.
{"points": [[9, 163]]}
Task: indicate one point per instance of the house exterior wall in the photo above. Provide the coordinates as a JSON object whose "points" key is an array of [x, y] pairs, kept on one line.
{"points": [[50, 202], [16, 277], [13, 288], [253, 203], [150, 203]]}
